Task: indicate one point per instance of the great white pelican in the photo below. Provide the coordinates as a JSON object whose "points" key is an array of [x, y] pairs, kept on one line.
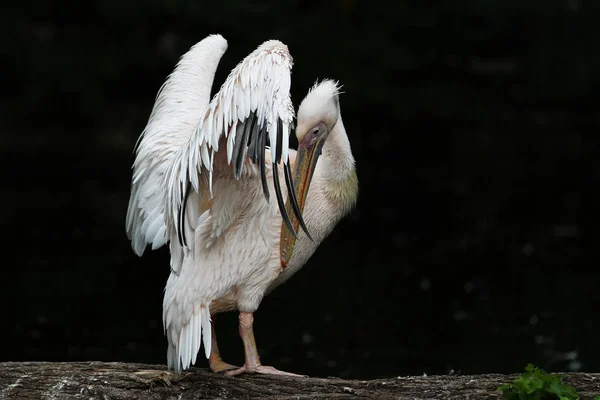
{"points": [[202, 179]]}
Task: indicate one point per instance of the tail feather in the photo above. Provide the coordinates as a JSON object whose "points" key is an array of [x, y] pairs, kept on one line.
{"points": [[196, 324], [206, 333], [185, 342], [171, 356]]}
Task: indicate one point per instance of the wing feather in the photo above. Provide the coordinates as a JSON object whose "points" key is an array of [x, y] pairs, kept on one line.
{"points": [[251, 104], [180, 103]]}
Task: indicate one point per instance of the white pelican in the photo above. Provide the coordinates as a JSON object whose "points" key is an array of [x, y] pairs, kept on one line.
{"points": [[201, 181]]}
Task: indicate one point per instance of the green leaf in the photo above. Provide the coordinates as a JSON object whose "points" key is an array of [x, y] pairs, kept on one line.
{"points": [[536, 384]]}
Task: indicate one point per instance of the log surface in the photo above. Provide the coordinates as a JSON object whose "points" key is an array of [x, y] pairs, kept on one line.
{"points": [[97, 380]]}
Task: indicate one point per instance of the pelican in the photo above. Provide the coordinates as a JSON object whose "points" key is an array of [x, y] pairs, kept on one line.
{"points": [[202, 179]]}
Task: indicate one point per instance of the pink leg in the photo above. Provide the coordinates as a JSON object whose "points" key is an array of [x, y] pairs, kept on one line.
{"points": [[252, 364], [214, 361]]}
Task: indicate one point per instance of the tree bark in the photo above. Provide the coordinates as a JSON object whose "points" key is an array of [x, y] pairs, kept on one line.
{"points": [[96, 380]]}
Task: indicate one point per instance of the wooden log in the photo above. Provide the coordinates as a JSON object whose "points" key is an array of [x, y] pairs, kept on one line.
{"points": [[97, 380]]}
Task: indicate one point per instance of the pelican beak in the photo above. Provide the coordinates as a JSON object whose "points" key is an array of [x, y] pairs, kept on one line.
{"points": [[309, 151]]}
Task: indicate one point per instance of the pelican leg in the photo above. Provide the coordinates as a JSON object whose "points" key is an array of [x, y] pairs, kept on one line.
{"points": [[214, 360], [252, 364]]}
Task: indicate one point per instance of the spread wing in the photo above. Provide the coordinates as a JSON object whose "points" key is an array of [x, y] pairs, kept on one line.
{"points": [[180, 104], [252, 106]]}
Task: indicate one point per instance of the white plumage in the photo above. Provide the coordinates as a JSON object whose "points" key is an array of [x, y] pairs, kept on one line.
{"points": [[259, 84], [202, 173], [180, 104]]}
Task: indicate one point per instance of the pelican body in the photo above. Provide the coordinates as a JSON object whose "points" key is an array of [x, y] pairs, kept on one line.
{"points": [[202, 181]]}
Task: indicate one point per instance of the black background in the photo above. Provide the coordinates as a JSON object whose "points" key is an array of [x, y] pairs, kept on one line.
{"points": [[474, 244]]}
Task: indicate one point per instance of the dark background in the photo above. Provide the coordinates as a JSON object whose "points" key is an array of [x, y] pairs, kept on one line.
{"points": [[474, 245]]}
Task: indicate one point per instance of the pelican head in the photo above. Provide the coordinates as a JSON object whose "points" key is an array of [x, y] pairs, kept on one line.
{"points": [[318, 113], [317, 116]]}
